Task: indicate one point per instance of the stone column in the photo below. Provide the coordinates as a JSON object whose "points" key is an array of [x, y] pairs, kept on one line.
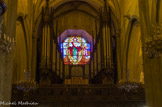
{"points": [[46, 36], [34, 57], [6, 59], [6, 73], [45, 63], [107, 38], [7, 76], [108, 62], [152, 54], [2, 58], [121, 74]]}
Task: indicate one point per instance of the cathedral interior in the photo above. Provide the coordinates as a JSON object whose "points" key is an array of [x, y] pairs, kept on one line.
{"points": [[81, 53]]}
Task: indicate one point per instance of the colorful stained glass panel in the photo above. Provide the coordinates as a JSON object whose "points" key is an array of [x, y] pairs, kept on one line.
{"points": [[75, 50]]}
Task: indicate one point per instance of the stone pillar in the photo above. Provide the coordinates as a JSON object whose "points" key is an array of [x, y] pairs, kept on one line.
{"points": [[6, 58], [7, 76], [45, 54], [34, 57], [107, 37], [152, 54], [46, 60], [99, 56], [108, 62], [46, 38], [121, 74], [2, 58]]}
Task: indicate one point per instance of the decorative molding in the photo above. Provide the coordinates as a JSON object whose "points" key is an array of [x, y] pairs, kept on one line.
{"points": [[100, 95], [153, 45], [105, 14], [6, 46], [6, 42], [157, 29]]}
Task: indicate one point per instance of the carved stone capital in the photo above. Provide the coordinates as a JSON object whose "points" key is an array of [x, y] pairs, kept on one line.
{"points": [[47, 13], [153, 46], [157, 29], [6, 46]]}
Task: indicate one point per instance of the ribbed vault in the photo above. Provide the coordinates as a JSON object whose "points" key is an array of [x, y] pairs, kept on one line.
{"points": [[96, 4]]}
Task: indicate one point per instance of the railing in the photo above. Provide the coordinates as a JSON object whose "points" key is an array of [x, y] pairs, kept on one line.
{"points": [[52, 94]]}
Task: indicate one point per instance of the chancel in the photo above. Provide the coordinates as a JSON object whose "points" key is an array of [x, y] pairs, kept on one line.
{"points": [[81, 53]]}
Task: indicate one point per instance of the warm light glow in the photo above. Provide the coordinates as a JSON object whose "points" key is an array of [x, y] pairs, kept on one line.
{"points": [[75, 50]]}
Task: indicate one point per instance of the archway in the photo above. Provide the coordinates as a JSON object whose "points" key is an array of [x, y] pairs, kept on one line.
{"points": [[134, 70], [20, 66]]}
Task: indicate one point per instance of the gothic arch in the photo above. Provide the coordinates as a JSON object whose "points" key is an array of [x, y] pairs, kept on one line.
{"points": [[129, 42], [38, 20], [21, 20], [114, 5], [35, 36], [21, 55]]}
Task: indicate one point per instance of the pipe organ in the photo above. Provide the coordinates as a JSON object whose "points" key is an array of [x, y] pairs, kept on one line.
{"points": [[60, 54]]}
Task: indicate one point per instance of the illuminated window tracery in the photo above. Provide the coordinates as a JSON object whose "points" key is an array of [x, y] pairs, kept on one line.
{"points": [[75, 50]]}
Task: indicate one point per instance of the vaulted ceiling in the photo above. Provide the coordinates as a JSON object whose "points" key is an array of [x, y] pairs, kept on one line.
{"points": [[34, 7], [38, 4]]}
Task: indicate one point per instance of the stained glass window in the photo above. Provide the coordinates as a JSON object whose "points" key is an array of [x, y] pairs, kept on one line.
{"points": [[75, 50]]}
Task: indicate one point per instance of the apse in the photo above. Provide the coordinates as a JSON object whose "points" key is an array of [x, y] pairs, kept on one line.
{"points": [[75, 46]]}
